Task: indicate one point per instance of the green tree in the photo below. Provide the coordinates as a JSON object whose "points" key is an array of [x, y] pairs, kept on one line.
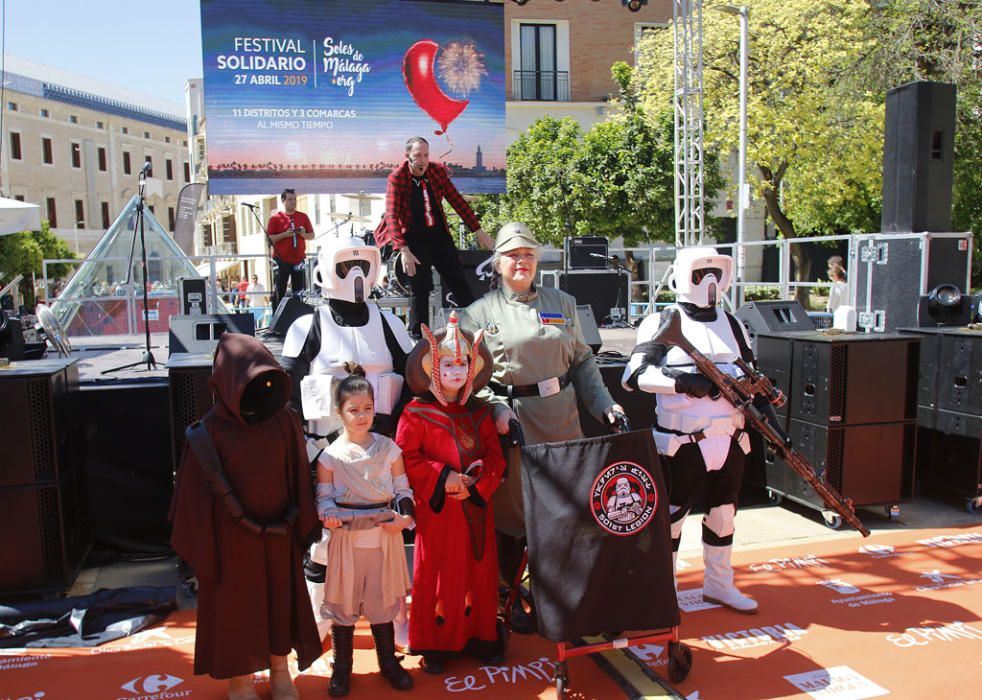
{"points": [[23, 254], [814, 143]]}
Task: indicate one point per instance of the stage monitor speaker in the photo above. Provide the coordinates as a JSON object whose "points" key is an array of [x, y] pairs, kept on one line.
{"points": [[476, 266], [773, 317], [604, 290], [854, 379], [586, 253], [192, 291], [588, 326], [288, 311], [200, 334], [918, 154], [869, 464], [190, 397], [950, 456], [960, 372], [773, 355]]}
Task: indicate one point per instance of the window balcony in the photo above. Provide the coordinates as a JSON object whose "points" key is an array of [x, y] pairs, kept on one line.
{"points": [[540, 85]]}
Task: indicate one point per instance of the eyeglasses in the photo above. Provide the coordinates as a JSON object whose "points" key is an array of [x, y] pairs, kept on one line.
{"points": [[516, 257]]}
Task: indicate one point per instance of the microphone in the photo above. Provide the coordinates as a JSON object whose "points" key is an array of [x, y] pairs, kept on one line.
{"points": [[147, 168], [246, 204]]}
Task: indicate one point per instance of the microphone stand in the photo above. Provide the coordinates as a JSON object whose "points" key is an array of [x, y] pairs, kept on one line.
{"points": [[148, 357], [272, 249]]}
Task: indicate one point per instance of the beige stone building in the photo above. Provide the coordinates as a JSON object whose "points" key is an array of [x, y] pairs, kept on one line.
{"points": [[75, 146]]}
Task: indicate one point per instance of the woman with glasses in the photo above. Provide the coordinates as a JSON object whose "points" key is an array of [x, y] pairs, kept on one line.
{"points": [[541, 365]]}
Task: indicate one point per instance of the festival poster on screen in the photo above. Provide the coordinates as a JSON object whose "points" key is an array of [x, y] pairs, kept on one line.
{"points": [[321, 95]]}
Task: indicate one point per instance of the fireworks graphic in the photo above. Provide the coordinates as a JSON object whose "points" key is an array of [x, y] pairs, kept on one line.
{"points": [[461, 66]]}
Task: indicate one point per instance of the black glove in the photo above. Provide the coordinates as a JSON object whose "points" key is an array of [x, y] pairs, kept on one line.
{"points": [[696, 385]]}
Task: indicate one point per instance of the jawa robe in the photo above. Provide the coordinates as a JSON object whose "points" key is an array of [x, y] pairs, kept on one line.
{"points": [[252, 599], [455, 565]]}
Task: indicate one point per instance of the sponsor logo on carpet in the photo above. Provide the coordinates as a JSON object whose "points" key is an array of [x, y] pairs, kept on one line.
{"points": [[154, 687], [953, 540], [765, 635], [855, 597], [10, 659], [922, 636], [837, 683], [649, 654], [154, 638], [623, 499], [691, 601], [940, 580], [782, 563], [879, 551], [487, 676], [39, 695]]}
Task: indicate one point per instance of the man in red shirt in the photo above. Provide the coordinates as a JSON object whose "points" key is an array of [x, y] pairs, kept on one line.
{"points": [[289, 230], [416, 226]]}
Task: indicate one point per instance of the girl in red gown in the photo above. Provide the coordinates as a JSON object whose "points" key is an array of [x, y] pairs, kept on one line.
{"points": [[454, 462]]}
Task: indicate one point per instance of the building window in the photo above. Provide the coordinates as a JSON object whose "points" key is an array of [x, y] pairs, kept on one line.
{"points": [[100, 125], [103, 165], [187, 172], [149, 159], [146, 134], [643, 30], [19, 197], [184, 143], [151, 209], [125, 129], [105, 215], [45, 113], [72, 119], [127, 166], [47, 154], [170, 219], [52, 212], [537, 77], [12, 107], [169, 167], [80, 213], [167, 139], [15, 153], [228, 229], [208, 232], [75, 150]]}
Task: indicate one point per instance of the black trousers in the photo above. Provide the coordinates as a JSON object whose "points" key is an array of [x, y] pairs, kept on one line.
{"points": [[287, 272], [434, 251]]}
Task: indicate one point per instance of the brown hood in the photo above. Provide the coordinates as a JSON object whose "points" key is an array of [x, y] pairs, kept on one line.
{"points": [[239, 359]]}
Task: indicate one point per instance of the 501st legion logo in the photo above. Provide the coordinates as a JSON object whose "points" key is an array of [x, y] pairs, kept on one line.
{"points": [[623, 499]]}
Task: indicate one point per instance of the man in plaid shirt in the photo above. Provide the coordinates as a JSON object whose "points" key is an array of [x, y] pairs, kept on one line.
{"points": [[416, 226]]}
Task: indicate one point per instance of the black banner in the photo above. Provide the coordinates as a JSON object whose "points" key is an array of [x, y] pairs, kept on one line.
{"points": [[599, 543]]}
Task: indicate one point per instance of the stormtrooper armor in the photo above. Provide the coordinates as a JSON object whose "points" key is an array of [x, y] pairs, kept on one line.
{"points": [[700, 435]]}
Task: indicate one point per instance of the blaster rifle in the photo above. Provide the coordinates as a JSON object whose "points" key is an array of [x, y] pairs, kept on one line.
{"points": [[741, 392]]}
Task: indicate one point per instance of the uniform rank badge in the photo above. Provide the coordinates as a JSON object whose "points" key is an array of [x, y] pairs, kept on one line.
{"points": [[552, 319]]}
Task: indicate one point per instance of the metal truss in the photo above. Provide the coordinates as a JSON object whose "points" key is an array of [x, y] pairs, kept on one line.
{"points": [[689, 204]]}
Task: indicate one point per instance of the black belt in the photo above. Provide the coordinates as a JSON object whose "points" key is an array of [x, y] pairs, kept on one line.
{"points": [[525, 390], [363, 506]]}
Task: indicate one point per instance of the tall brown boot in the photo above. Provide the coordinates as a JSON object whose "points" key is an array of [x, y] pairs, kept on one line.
{"points": [[385, 649], [342, 638]]}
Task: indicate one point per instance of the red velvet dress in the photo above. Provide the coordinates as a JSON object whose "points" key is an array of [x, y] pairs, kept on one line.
{"points": [[455, 567]]}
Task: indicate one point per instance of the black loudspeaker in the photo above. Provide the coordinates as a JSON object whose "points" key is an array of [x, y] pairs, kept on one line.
{"points": [[476, 266], [959, 374], [288, 311], [586, 253], [190, 397], [950, 456], [200, 334], [773, 355], [11, 338], [639, 406], [602, 290], [44, 532], [870, 464], [894, 272], [918, 154], [773, 317], [588, 326], [854, 379], [129, 473], [191, 291]]}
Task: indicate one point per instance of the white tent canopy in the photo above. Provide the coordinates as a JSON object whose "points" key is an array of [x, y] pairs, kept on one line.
{"points": [[16, 216]]}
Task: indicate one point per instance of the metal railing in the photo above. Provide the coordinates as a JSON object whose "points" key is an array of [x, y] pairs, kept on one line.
{"points": [[540, 85]]}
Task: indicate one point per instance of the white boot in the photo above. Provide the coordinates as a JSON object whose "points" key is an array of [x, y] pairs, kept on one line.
{"points": [[717, 581]]}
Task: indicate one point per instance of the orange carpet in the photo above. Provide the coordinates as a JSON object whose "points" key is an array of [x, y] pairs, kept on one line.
{"points": [[896, 614]]}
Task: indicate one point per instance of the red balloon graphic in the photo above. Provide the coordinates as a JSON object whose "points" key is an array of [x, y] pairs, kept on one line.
{"points": [[417, 71]]}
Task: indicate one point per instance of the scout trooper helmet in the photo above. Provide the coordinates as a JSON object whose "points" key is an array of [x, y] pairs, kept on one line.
{"points": [[701, 276], [347, 269]]}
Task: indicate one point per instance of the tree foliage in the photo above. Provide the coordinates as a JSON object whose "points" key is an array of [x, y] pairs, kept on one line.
{"points": [[23, 254]]}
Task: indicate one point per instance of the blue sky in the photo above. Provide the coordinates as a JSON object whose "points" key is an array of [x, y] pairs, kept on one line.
{"points": [[153, 47]]}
